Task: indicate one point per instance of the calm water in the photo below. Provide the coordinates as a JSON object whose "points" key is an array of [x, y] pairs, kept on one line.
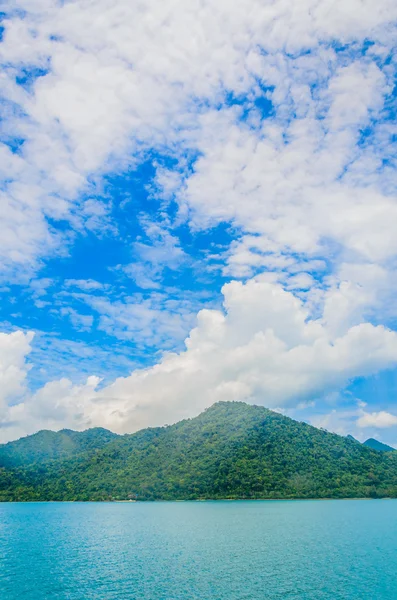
{"points": [[215, 550]]}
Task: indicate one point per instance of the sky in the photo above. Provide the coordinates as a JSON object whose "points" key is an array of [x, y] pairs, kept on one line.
{"points": [[198, 203]]}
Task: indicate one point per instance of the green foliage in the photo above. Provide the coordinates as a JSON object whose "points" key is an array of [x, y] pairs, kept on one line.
{"points": [[47, 445], [232, 450]]}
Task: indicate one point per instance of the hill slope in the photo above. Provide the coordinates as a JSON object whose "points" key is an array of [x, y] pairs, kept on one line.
{"points": [[232, 450], [47, 445], [377, 445]]}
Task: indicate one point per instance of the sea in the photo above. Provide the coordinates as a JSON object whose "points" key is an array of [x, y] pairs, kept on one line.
{"points": [[221, 550]]}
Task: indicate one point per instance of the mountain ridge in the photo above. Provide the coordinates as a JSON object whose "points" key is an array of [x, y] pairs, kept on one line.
{"points": [[48, 445], [377, 445], [373, 443], [231, 450]]}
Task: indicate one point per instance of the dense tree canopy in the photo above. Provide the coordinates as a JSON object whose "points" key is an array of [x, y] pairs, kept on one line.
{"points": [[46, 445], [232, 450]]}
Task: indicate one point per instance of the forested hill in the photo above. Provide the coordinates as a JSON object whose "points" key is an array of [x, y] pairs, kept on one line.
{"points": [[379, 446], [46, 445], [232, 450]]}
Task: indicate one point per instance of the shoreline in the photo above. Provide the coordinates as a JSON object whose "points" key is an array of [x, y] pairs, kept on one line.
{"points": [[188, 501]]}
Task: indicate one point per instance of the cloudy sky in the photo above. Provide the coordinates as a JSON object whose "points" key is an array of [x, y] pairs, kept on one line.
{"points": [[198, 203]]}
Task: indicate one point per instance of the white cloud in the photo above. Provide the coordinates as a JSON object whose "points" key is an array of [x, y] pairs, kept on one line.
{"points": [[155, 321], [87, 285], [56, 405], [368, 83], [14, 348], [54, 357], [354, 420], [284, 186], [160, 250], [79, 321], [101, 99], [263, 348], [357, 292], [123, 77], [381, 419], [342, 421]]}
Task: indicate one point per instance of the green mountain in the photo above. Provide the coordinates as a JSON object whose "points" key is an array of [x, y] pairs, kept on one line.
{"points": [[232, 450], [379, 446], [49, 445], [374, 444]]}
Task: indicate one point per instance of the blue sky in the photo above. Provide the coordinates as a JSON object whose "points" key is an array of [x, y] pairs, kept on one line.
{"points": [[198, 204]]}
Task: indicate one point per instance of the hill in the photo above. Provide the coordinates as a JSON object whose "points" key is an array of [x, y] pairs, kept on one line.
{"points": [[232, 450], [48, 445], [379, 446]]}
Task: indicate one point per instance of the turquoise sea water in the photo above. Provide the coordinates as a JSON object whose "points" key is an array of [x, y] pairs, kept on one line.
{"points": [[199, 550]]}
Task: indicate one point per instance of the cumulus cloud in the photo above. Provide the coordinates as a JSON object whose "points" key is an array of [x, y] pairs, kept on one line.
{"points": [[149, 321], [14, 348], [275, 120], [284, 186], [355, 420], [81, 97], [263, 347], [381, 419], [340, 421]]}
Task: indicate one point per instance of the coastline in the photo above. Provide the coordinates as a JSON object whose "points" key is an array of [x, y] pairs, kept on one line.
{"points": [[188, 501]]}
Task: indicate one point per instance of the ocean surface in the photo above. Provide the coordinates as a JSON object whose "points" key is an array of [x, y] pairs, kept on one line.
{"points": [[206, 550]]}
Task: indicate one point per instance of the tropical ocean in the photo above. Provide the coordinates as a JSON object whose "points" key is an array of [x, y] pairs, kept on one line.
{"points": [[309, 550]]}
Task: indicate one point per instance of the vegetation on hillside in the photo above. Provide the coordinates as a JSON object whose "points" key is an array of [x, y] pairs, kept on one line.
{"points": [[232, 450], [46, 445]]}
